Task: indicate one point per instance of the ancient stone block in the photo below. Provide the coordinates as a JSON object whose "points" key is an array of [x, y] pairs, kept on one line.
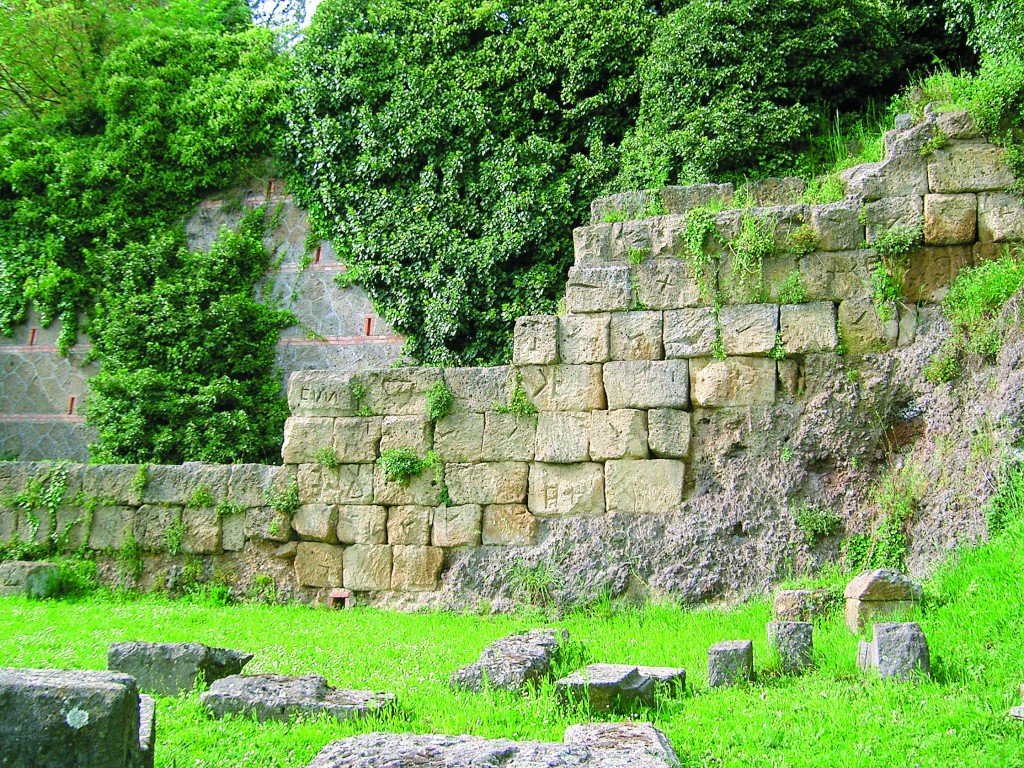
{"points": [[536, 340], [670, 679], [904, 174], [367, 568], [108, 481], [458, 437], [808, 327], [321, 393], [410, 524], [267, 524], [421, 490], [356, 439], [475, 390], [898, 651], [248, 483], [566, 489], [488, 483], [316, 522], [838, 276], [631, 236], [36, 580], [152, 523], [669, 433], [592, 245], [563, 438], [416, 432], [509, 525], [950, 219], [70, 527], [636, 336], [654, 486], [319, 565], [345, 484], [863, 330], [775, 191], [730, 662], [932, 269], [232, 532], [666, 284], [608, 687], [584, 339], [800, 605], [1000, 217], [908, 324], [837, 226], [509, 437], [564, 387], [891, 212], [969, 168], [397, 391], [305, 436], [202, 531], [794, 642], [876, 593], [733, 382], [512, 662], [457, 526], [362, 524], [647, 384], [111, 526], [618, 434], [169, 669], [690, 332], [598, 289], [8, 523], [749, 329], [416, 569], [685, 199]]}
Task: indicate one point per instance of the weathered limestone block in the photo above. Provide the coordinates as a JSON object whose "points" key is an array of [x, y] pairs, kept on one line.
{"points": [[169, 669], [666, 283], [950, 219], [654, 486], [908, 324], [667, 239], [690, 332], [175, 484], [647, 384], [459, 437], [319, 565], [29, 579], [83, 718], [670, 679], [637, 745], [669, 433], [509, 525], [397, 391], [202, 531], [743, 287], [111, 526], [564, 387], [305, 436], [863, 330], [683, 199], [876, 593], [608, 687], [728, 224], [932, 269], [367, 568], [584, 339], [509, 437], [422, 490], [70, 527], [475, 390], [730, 662], [891, 212], [838, 276], [733, 382], [636, 336], [969, 168], [775, 191], [592, 245], [362, 524], [749, 329], [561, 490], [618, 434], [491, 483], [458, 526], [316, 522], [152, 523], [794, 642], [904, 174], [410, 524], [598, 289], [631, 235], [345, 484], [808, 327], [535, 340], [248, 483], [416, 432], [107, 481], [837, 226], [267, 524], [356, 439], [282, 698], [321, 393], [8, 523], [512, 662], [898, 651], [416, 569], [232, 532], [956, 125], [1000, 217], [563, 438], [801, 605]]}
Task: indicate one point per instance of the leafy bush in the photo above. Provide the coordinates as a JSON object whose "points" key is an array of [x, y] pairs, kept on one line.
{"points": [[402, 464], [998, 104], [975, 299], [439, 401], [994, 27], [816, 523]]}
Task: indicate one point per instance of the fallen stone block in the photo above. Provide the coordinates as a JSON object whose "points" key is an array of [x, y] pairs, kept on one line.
{"points": [[281, 697], [670, 679], [172, 668], [794, 642], [730, 662], [802, 604], [71, 717], [608, 687], [26, 579], [513, 661], [899, 651], [881, 592]]}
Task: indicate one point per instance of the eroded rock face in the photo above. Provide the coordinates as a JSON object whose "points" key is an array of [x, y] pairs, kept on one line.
{"points": [[171, 668], [512, 662], [281, 697]]}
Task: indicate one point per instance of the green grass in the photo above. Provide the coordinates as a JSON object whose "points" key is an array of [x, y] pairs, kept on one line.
{"points": [[832, 716]]}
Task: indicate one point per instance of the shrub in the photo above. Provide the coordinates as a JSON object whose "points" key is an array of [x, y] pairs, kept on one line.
{"points": [[402, 464], [998, 104], [439, 401], [1007, 505], [975, 299], [816, 523]]}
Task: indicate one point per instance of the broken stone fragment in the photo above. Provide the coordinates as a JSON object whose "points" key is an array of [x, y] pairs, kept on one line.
{"points": [[282, 697], [881, 592], [608, 687], [513, 661], [168, 669]]}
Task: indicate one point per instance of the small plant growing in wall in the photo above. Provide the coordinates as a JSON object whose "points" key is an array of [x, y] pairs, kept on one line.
{"points": [[701, 228], [140, 480], [936, 142], [655, 206], [778, 352], [636, 256], [201, 497], [227, 509], [173, 537], [283, 500], [326, 457], [803, 240], [755, 243], [400, 465], [612, 217], [635, 305], [519, 403], [358, 391], [439, 401], [816, 523], [791, 289], [129, 559]]}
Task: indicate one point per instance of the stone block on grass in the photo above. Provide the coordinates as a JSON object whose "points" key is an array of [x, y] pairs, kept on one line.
{"points": [[730, 662], [37, 580], [281, 698], [608, 687], [513, 662], [876, 593], [169, 669], [794, 642], [899, 651]]}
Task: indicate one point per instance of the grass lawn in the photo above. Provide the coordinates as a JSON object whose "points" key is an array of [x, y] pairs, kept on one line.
{"points": [[834, 716]]}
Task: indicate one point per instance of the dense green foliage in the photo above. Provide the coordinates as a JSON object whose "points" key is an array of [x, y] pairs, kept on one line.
{"points": [[975, 299]]}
